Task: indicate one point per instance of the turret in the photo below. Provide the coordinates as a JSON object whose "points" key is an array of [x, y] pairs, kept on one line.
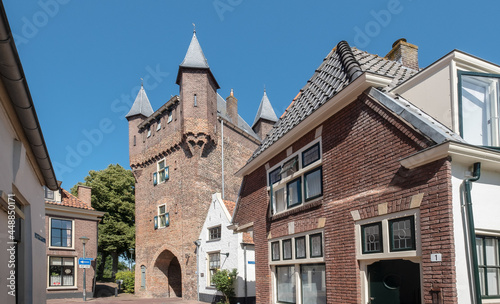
{"points": [[265, 118], [141, 109], [198, 92]]}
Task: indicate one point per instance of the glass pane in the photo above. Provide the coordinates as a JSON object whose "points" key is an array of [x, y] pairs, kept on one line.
{"points": [[313, 184], [161, 209], [56, 224], [275, 248], [66, 241], [402, 234], [313, 284], [55, 261], [316, 246], [491, 246], [68, 261], [66, 225], [161, 165], [274, 176], [481, 281], [279, 196], [480, 251], [372, 240], [492, 277], [162, 175], [287, 249], [310, 155], [293, 193], [286, 284], [300, 247], [163, 221]]}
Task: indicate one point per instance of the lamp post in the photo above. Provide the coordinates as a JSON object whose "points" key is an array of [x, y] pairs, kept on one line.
{"points": [[84, 240], [131, 250]]}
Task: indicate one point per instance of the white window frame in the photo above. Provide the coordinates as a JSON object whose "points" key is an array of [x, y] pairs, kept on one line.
{"points": [[209, 230], [289, 178], [160, 215], [165, 170], [294, 260], [209, 274], [72, 233], [75, 270]]}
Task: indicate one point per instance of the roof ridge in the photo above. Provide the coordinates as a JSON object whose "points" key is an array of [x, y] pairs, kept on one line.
{"points": [[349, 62]]}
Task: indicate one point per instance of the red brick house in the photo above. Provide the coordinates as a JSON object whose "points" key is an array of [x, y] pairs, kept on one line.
{"points": [[359, 196], [180, 154], [67, 218]]}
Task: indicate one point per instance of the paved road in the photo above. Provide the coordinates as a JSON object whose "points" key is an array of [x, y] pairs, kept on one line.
{"points": [[125, 299]]}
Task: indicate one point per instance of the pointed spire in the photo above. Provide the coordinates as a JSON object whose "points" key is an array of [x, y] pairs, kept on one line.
{"points": [[194, 56], [141, 104], [265, 110]]}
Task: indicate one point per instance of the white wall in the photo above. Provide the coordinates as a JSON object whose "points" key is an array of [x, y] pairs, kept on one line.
{"points": [[17, 170], [229, 242], [486, 208]]}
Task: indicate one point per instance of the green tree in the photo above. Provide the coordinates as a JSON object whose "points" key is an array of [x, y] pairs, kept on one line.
{"points": [[112, 192], [224, 281]]}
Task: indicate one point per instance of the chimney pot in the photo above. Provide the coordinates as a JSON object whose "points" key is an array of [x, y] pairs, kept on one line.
{"points": [[232, 108], [404, 53]]}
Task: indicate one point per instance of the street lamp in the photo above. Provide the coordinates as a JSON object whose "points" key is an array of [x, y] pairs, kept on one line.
{"points": [[84, 240], [131, 250]]}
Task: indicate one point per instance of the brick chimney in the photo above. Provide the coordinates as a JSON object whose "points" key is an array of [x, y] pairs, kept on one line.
{"points": [[232, 108], [84, 194], [404, 53]]}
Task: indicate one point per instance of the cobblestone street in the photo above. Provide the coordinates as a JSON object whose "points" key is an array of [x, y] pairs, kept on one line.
{"points": [[129, 299]]}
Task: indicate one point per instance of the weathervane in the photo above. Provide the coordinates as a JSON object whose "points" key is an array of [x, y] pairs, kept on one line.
{"points": [[194, 28], [142, 81]]}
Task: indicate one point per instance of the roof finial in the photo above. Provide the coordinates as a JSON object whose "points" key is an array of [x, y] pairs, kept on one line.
{"points": [[142, 82], [232, 93], [264, 88], [194, 28]]}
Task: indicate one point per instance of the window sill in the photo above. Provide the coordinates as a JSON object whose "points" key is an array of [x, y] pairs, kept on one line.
{"points": [[214, 240], [62, 288], [62, 248], [301, 208]]}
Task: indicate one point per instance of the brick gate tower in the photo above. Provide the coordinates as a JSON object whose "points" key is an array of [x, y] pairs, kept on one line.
{"points": [[179, 159]]}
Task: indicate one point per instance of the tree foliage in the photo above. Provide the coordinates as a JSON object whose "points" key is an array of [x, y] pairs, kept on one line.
{"points": [[224, 282], [113, 193]]}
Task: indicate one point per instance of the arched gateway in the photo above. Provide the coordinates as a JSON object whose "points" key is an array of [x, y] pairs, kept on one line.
{"points": [[167, 276]]}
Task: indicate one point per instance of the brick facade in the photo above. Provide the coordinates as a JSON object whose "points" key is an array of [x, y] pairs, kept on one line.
{"points": [[192, 148], [361, 148]]}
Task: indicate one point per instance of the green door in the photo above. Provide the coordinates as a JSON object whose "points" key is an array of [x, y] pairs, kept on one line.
{"points": [[394, 282]]}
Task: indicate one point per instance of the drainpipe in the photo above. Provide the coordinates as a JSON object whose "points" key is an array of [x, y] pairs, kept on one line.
{"points": [[245, 267], [222, 161], [472, 233], [197, 243]]}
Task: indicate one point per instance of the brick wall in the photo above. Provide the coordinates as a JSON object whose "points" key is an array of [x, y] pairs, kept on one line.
{"points": [[362, 145]]}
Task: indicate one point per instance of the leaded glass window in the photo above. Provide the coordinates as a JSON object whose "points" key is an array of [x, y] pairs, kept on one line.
{"points": [[287, 249], [275, 251], [300, 247], [372, 238], [310, 155], [402, 234], [316, 241]]}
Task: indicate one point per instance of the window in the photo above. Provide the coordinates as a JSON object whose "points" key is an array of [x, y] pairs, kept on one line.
{"points": [[402, 234], [161, 175], [163, 218], [169, 117], [297, 179], [143, 276], [294, 195], [275, 251], [285, 276], [313, 184], [49, 194], [61, 271], [372, 238], [479, 108], [158, 125], [300, 247], [149, 131], [313, 281], [316, 245], [488, 257], [61, 233], [214, 233], [195, 101], [287, 249], [213, 265]]}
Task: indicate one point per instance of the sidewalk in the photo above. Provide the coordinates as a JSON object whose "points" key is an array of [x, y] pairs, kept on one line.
{"points": [[127, 298]]}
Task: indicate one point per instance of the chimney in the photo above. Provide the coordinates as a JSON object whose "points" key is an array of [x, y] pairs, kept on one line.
{"points": [[84, 194], [232, 108], [404, 53]]}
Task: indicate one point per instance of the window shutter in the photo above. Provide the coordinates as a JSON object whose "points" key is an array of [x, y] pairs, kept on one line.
{"points": [[156, 222], [155, 179]]}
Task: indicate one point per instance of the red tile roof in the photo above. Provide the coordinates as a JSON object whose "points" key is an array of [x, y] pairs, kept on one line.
{"points": [[230, 206], [247, 238], [69, 200]]}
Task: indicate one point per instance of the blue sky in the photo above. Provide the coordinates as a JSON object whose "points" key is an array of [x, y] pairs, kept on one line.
{"points": [[83, 60]]}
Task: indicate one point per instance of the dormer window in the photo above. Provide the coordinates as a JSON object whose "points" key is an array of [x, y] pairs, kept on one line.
{"points": [[479, 108]]}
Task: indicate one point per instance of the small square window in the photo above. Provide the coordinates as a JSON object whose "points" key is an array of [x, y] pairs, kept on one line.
{"points": [[49, 194], [313, 184], [294, 193], [402, 234], [300, 247], [275, 251], [310, 155], [316, 241], [287, 249], [214, 233], [372, 238]]}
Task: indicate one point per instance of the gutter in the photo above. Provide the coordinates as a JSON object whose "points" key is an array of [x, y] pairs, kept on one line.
{"points": [[12, 75], [471, 229]]}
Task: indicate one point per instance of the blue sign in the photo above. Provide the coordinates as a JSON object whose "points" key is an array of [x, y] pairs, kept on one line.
{"points": [[251, 262], [86, 261], [39, 237]]}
